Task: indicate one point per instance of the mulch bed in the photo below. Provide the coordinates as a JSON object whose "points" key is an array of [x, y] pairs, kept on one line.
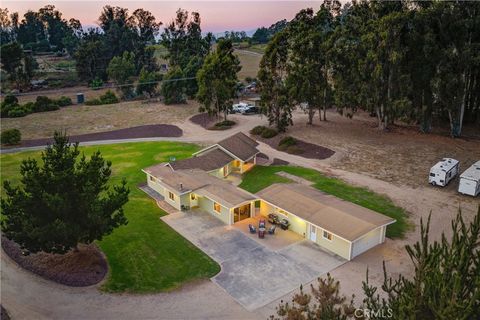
{"points": [[279, 162], [308, 150], [76, 269], [147, 131], [204, 120]]}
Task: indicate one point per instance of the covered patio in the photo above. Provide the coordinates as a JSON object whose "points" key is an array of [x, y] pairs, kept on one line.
{"points": [[277, 241]]}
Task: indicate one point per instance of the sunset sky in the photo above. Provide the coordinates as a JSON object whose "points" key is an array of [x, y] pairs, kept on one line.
{"points": [[217, 16]]}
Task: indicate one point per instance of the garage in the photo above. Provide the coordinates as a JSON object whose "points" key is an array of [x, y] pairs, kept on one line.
{"points": [[341, 227]]}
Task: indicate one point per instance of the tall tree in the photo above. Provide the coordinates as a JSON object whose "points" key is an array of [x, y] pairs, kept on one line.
{"points": [[121, 69], [186, 47], [272, 82], [64, 202], [217, 79], [92, 56]]}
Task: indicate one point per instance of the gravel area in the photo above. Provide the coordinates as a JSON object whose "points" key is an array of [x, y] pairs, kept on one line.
{"points": [[77, 269], [148, 131]]}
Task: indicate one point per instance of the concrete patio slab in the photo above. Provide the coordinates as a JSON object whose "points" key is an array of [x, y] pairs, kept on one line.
{"points": [[253, 273]]}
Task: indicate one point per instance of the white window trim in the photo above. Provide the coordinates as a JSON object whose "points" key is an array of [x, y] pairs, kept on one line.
{"points": [[219, 207], [171, 194], [326, 238]]}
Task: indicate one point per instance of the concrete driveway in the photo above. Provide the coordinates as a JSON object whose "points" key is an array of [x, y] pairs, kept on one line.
{"points": [[252, 274]]}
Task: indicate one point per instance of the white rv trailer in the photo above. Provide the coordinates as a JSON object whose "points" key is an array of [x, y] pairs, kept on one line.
{"points": [[470, 180], [442, 172]]}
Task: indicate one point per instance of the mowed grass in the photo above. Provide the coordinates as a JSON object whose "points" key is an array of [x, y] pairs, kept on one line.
{"points": [[146, 255], [261, 177]]}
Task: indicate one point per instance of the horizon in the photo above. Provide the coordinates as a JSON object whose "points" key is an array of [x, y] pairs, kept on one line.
{"points": [[217, 16]]}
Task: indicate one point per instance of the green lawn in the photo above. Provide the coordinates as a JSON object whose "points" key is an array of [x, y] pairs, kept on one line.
{"points": [[261, 177], [146, 255]]}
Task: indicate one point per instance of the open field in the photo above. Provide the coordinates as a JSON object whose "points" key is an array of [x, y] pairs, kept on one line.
{"points": [[402, 156], [146, 255], [250, 62], [87, 119], [261, 177]]}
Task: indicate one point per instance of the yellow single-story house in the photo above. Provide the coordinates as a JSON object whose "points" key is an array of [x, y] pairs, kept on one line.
{"points": [[193, 188], [235, 154], [340, 226]]}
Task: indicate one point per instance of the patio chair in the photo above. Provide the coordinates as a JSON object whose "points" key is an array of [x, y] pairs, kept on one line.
{"points": [[271, 230], [252, 229], [262, 224]]}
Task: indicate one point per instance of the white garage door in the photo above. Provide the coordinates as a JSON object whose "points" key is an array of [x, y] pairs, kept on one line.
{"points": [[368, 241]]}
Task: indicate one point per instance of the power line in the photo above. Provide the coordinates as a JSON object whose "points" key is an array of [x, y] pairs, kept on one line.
{"points": [[97, 88]]}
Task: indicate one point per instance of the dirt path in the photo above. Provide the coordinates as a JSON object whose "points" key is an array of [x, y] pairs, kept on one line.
{"points": [[23, 294]]}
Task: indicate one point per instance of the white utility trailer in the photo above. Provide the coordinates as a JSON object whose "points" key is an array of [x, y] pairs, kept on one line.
{"points": [[442, 172], [470, 180]]}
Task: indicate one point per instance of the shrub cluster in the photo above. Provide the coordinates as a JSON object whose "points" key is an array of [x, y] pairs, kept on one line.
{"points": [[223, 125], [10, 108], [10, 137], [107, 98], [264, 132], [289, 145]]}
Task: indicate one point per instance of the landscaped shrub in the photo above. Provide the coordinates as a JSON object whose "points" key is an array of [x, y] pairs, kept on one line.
{"points": [[268, 133], [8, 104], [223, 125], [108, 98], [286, 142], [10, 137], [19, 111], [294, 149], [96, 84], [45, 104], [64, 101], [258, 130]]}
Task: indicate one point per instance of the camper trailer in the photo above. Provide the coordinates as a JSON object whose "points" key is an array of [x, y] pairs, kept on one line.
{"points": [[442, 172], [470, 180]]}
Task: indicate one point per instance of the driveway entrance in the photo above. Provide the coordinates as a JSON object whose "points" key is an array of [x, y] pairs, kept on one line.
{"points": [[252, 273]]}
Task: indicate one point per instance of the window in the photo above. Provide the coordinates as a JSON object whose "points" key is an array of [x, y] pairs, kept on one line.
{"points": [[327, 235], [216, 207], [171, 196], [152, 178], [432, 174], [193, 196]]}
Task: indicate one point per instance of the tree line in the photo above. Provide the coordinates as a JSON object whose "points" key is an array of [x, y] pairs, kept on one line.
{"points": [[408, 61]]}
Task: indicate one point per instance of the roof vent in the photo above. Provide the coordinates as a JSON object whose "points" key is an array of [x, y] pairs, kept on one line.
{"points": [[181, 186]]}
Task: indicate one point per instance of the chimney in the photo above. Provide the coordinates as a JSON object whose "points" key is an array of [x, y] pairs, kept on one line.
{"points": [[181, 186]]}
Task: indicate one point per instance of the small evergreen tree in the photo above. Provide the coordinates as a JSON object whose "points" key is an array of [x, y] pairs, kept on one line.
{"points": [[65, 202]]}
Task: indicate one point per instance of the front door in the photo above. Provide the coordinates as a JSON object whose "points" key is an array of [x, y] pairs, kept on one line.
{"points": [[313, 233]]}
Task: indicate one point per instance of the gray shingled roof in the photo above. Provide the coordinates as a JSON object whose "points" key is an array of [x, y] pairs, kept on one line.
{"points": [[240, 145], [208, 161]]}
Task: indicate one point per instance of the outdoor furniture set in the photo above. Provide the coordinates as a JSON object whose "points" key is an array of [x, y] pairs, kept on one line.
{"points": [[262, 226]]}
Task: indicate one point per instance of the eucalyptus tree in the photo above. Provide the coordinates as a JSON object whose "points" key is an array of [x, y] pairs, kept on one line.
{"points": [[272, 75], [217, 79]]}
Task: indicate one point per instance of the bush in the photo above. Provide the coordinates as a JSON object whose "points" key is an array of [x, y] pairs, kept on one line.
{"points": [[45, 104], [294, 149], [64, 101], [108, 98], [10, 137], [18, 111], [225, 123], [286, 142], [268, 133], [96, 83], [258, 130]]}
